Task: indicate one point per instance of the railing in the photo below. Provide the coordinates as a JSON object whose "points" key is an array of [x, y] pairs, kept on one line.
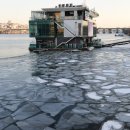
{"points": [[58, 18]]}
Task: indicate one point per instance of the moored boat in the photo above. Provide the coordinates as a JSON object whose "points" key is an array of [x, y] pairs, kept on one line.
{"points": [[66, 26]]}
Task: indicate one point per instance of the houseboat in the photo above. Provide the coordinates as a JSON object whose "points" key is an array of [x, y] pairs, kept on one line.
{"points": [[66, 26]]}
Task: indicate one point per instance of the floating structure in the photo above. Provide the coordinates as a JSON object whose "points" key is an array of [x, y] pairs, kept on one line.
{"points": [[66, 26]]}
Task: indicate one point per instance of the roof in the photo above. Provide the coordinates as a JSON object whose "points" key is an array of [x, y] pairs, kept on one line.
{"points": [[57, 9]]}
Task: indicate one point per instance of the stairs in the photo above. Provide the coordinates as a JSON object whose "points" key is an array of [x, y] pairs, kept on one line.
{"points": [[65, 28], [68, 40], [62, 43]]}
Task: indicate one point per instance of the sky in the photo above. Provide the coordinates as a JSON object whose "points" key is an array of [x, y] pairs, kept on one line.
{"points": [[112, 13]]}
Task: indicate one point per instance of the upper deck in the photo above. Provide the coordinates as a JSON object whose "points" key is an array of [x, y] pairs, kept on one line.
{"points": [[65, 11]]}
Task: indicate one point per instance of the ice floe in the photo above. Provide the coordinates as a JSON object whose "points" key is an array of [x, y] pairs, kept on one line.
{"points": [[64, 58], [93, 81], [93, 95], [112, 125], [122, 91], [63, 63], [49, 63], [80, 111], [110, 71], [54, 108], [100, 78], [72, 61], [41, 80], [123, 116], [35, 80], [57, 84], [112, 99], [86, 73], [109, 86], [106, 92], [67, 81], [85, 86]]}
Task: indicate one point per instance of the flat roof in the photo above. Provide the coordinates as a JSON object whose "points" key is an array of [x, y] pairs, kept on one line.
{"points": [[57, 9]]}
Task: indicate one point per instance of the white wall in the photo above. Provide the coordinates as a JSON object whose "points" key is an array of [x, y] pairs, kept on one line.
{"points": [[72, 25]]}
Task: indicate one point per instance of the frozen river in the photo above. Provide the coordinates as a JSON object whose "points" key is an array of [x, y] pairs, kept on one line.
{"points": [[65, 90]]}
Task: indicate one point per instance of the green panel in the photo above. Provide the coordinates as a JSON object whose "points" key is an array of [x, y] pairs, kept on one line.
{"points": [[32, 28], [41, 28]]}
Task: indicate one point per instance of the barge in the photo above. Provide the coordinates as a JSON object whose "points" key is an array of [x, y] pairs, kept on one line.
{"points": [[66, 26]]}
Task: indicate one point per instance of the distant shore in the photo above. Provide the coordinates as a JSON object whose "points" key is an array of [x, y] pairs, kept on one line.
{"points": [[15, 31]]}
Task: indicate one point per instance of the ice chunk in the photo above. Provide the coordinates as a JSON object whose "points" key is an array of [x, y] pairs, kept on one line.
{"points": [[57, 84], [35, 80], [41, 80], [86, 73], [125, 117], [122, 91], [109, 86], [93, 81], [72, 61], [100, 78], [49, 63], [54, 108], [85, 86], [112, 99], [112, 125], [64, 80], [93, 95], [110, 71], [63, 63], [64, 58], [80, 111], [106, 92]]}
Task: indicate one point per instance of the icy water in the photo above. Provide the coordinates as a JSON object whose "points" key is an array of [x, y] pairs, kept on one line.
{"points": [[64, 90], [14, 45]]}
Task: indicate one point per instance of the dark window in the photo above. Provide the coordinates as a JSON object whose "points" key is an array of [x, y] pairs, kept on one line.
{"points": [[79, 13], [69, 13], [79, 29], [85, 30]]}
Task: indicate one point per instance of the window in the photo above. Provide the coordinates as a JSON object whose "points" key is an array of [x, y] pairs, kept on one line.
{"points": [[69, 13], [79, 29]]}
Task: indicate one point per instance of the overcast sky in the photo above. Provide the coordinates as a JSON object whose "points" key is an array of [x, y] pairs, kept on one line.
{"points": [[113, 13]]}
